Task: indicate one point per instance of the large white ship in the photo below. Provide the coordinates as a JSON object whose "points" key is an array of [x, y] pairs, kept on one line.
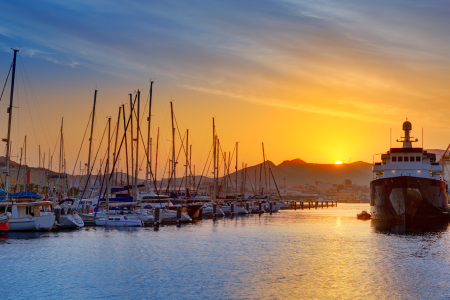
{"points": [[408, 185]]}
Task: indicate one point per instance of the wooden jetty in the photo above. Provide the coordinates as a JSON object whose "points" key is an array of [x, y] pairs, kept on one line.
{"points": [[307, 204]]}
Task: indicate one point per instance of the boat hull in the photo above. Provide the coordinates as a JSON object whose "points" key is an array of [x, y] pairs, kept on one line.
{"points": [[41, 223], [119, 223], [408, 199], [4, 226], [71, 221]]}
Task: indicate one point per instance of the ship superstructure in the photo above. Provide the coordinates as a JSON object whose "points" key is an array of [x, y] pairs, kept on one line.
{"points": [[408, 184]]}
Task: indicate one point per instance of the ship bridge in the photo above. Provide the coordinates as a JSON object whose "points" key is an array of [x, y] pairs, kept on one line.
{"points": [[407, 161]]}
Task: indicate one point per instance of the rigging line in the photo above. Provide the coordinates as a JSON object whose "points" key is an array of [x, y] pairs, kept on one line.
{"points": [[165, 168], [93, 164], [140, 125], [29, 109], [33, 94], [206, 163], [100, 172], [82, 141], [123, 137], [175, 164], [143, 111], [57, 140], [64, 149], [207, 172], [179, 133], [273, 177], [202, 153], [99, 196], [254, 191], [6, 81], [227, 176]]}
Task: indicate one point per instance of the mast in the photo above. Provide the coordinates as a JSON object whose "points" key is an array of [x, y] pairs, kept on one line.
{"points": [[48, 174], [190, 168], [43, 165], [149, 154], [187, 162], [26, 167], [243, 179], [126, 148], [236, 169], [92, 132], [218, 165], [9, 111], [107, 166], [132, 140], [18, 173], [137, 146], [265, 174], [115, 144], [39, 172], [224, 181], [60, 155], [173, 149], [228, 172], [156, 160], [214, 150]]}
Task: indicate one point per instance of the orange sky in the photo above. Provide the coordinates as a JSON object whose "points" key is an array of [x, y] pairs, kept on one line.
{"points": [[312, 81]]}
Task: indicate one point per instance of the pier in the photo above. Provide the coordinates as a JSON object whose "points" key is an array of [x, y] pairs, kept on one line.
{"points": [[307, 204]]}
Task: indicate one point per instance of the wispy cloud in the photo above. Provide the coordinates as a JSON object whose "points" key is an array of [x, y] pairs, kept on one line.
{"points": [[287, 53]]}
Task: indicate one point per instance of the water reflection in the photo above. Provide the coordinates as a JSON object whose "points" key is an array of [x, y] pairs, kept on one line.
{"points": [[25, 235], [310, 254], [408, 229]]}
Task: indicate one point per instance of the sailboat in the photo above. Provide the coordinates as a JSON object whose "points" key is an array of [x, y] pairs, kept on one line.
{"points": [[115, 220], [26, 212]]}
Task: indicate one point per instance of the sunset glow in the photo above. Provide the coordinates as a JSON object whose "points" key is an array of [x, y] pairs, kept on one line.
{"points": [[350, 94], [338, 162]]}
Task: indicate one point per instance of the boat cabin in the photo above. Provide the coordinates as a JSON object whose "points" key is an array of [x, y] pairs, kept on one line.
{"points": [[407, 161], [26, 209]]}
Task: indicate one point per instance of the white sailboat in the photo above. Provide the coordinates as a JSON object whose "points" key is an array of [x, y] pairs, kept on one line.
{"points": [[26, 215], [118, 221]]}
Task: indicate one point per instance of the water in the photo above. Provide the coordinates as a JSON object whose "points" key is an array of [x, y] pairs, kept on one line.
{"points": [[314, 254]]}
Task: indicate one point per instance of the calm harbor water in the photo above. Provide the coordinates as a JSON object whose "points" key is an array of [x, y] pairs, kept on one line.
{"points": [[320, 254]]}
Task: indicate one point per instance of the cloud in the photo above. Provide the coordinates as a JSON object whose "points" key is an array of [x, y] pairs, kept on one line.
{"points": [[359, 60]]}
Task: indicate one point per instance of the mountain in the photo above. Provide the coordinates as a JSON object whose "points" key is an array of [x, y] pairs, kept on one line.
{"points": [[299, 172]]}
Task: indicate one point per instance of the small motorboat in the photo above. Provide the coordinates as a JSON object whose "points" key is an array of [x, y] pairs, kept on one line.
{"points": [[364, 215], [118, 221]]}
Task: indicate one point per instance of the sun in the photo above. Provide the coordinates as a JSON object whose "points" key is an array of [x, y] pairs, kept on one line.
{"points": [[338, 162]]}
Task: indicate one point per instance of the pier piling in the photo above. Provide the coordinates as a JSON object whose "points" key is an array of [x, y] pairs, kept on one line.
{"points": [[179, 215], [214, 210], [156, 217]]}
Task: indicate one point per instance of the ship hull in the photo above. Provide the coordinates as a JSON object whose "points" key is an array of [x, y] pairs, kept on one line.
{"points": [[408, 199]]}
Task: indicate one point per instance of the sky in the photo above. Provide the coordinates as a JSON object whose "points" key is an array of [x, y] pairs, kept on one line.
{"points": [[318, 80]]}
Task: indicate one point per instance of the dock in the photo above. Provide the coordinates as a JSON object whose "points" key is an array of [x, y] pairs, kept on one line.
{"points": [[307, 204]]}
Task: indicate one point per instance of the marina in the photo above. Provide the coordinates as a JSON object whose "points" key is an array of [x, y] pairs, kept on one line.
{"points": [[224, 150]]}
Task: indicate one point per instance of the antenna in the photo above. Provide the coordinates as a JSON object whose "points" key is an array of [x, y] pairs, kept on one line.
{"points": [[422, 137]]}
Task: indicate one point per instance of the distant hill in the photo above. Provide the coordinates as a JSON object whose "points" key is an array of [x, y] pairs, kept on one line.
{"points": [[296, 171], [299, 172]]}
